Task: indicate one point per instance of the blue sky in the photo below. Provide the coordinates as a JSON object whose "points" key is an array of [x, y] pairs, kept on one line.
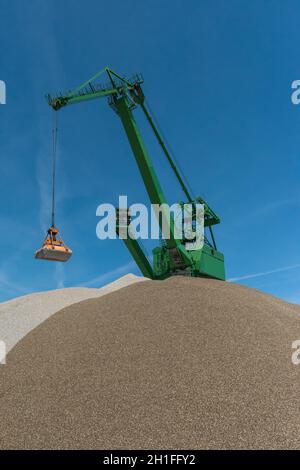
{"points": [[218, 77]]}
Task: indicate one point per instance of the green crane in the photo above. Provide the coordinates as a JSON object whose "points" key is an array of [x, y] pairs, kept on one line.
{"points": [[173, 256]]}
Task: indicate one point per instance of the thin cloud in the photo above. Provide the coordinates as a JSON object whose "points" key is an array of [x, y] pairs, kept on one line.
{"points": [[9, 287], [265, 210], [60, 276], [265, 273], [109, 276]]}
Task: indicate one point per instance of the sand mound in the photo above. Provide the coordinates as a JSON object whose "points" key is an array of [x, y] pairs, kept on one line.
{"points": [[21, 315], [183, 363]]}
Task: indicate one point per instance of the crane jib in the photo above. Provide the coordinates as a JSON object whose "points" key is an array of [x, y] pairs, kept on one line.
{"points": [[172, 257]]}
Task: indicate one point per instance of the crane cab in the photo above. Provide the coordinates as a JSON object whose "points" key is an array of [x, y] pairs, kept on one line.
{"points": [[53, 248]]}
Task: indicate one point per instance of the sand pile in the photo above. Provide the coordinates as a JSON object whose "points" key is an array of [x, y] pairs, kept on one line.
{"points": [[183, 363], [21, 315]]}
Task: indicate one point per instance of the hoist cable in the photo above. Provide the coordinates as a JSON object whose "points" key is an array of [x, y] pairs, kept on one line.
{"points": [[178, 169], [54, 155]]}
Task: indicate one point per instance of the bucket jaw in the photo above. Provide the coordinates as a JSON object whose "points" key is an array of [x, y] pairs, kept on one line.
{"points": [[53, 248]]}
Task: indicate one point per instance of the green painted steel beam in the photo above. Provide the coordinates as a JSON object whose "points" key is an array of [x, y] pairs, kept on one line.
{"points": [[139, 256], [120, 92], [148, 173], [60, 101], [143, 161], [166, 152]]}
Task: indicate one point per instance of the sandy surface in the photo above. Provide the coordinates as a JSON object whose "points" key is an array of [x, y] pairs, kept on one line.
{"points": [[183, 363], [21, 315]]}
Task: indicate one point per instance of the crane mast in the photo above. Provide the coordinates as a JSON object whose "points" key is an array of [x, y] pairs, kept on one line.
{"points": [[172, 257]]}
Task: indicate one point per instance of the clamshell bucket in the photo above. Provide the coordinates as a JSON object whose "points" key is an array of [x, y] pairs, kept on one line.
{"points": [[53, 248]]}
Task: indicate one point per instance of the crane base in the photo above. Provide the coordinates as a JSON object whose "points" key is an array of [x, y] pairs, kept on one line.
{"points": [[211, 264], [206, 262]]}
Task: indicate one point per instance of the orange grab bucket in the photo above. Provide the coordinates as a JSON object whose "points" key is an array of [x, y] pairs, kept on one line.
{"points": [[53, 248]]}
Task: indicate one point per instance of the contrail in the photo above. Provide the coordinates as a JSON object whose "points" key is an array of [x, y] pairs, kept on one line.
{"points": [[107, 276], [59, 275], [265, 273]]}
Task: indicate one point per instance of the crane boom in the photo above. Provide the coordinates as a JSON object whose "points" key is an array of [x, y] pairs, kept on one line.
{"points": [[124, 96]]}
